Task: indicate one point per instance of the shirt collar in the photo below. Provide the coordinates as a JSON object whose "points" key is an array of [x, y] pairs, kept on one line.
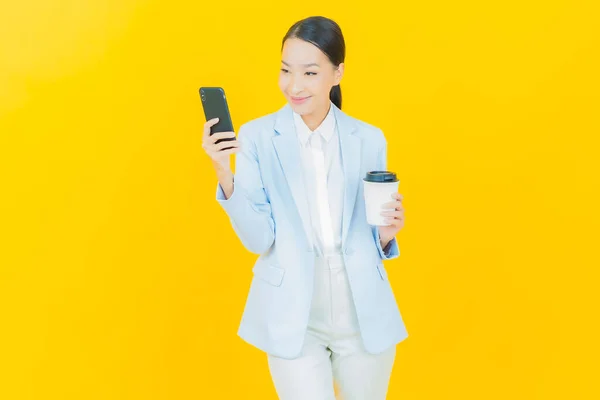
{"points": [[326, 129]]}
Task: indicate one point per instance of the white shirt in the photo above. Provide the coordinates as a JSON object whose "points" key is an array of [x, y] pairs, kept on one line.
{"points": [[324, 181]]}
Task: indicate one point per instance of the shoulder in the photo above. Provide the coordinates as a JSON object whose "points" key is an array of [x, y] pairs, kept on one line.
{"points": [[368, 131], [258, 127]]}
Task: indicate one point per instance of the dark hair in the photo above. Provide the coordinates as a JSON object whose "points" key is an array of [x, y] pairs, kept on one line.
{"points": [[326, 34]]}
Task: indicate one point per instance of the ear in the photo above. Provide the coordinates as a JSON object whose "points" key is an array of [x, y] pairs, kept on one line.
{"points": [[339, 73]]}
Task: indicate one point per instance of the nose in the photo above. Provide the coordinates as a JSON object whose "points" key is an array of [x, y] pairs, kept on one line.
{"points": [[295, 86]]}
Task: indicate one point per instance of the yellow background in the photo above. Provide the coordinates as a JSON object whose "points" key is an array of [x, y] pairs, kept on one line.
{"points": [[121, 278]]}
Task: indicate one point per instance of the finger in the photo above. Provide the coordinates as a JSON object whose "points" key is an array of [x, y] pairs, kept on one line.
{"points": [[392, 205], [212, 146], [211, 122], [221, 135], [207, 125], [209, 146], [230, 151], [220, 153], [390, 221], [398, 196], [227, 143], [392, 213], [391, 209], [394, 221]]}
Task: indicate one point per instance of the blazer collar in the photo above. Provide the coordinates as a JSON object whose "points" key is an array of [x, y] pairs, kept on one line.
{"points": [[284, 121], [326, 129]]}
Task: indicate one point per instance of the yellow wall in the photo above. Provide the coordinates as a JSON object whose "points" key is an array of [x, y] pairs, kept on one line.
{"points": [[121, 278]]}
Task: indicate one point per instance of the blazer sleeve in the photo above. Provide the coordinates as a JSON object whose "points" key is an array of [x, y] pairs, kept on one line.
{"points": [[391, 251], [248, 208]]}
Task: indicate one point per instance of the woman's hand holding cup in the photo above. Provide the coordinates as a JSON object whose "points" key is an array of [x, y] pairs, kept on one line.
{"points": [[393, 213], [384, 204]]}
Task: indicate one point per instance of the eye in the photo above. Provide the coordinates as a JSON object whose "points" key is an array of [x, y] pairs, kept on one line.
{"points": [[311, 73], [285, 71]]}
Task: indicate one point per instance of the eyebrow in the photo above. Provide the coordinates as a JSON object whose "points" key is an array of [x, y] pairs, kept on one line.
{"points": [[304, 65]]}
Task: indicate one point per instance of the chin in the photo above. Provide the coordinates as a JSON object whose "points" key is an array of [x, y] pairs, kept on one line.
{"points": [[298, 110], [301, 109]]}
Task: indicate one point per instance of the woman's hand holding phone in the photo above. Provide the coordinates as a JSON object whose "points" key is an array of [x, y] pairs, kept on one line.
{"points": [[221, 158]]}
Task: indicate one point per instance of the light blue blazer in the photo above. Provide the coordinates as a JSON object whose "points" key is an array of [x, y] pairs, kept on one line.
{"points": [[269, 212]]}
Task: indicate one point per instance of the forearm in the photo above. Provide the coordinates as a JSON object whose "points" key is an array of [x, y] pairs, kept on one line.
{"points": [[387, 247], [253, 224], [225, 178], [243, 197], [251, 219]]}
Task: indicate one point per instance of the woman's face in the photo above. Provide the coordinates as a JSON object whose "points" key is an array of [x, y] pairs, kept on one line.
{"points": [[307, 76]]}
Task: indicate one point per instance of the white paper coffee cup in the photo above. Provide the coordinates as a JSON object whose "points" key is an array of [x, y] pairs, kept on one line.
{"points": [[378, 189]]}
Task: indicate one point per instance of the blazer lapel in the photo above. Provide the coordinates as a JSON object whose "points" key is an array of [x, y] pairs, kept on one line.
{"points": [[288, 150], [351, 161]]}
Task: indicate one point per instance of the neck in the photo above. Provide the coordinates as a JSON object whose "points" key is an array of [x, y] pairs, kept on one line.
{"points": [[315, 119]]}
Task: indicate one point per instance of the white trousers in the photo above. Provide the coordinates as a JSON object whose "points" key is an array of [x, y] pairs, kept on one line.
{"points": [[333, 359]]}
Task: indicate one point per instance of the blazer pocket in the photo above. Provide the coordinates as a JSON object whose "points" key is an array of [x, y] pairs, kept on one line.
{"points": [[269, 273], [382, 271]]}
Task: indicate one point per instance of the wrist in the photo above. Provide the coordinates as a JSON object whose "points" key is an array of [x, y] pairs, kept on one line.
{"points": [[225, 177], [384, 243], [384, 239], [221, 169]]}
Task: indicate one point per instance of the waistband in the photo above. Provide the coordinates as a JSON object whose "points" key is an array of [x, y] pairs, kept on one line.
{"points": [[329, 261]]}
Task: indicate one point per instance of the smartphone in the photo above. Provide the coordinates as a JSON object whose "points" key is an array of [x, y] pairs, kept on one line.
{"points": [[215, 105]]}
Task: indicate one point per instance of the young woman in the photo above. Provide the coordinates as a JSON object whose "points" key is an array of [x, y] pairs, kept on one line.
{"points": [[320, 304]]}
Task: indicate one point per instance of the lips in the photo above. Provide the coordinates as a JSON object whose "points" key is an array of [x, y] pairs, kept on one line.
{"points": [[299, 100]]}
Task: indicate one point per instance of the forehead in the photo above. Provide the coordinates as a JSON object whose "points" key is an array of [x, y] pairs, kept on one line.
{"points": [[298, 52]]}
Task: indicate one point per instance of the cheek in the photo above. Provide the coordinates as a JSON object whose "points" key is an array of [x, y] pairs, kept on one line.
{"points": [[283, 82], [320, 86]]}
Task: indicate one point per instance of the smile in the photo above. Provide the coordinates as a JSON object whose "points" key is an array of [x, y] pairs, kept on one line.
{"points": [[299, 100]]}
